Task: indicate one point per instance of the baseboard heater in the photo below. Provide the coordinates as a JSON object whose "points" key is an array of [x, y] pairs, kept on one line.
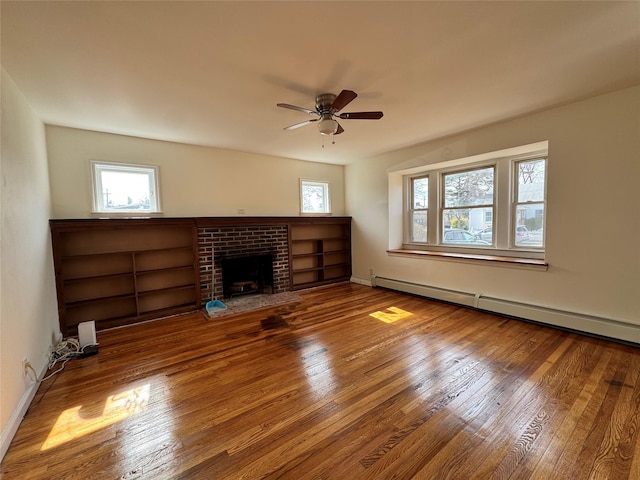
{"points": [[580, 322]]}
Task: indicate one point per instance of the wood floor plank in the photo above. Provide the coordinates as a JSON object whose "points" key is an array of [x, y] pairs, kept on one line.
{"points": [[483, 408], [349, 382], [479, 411]]}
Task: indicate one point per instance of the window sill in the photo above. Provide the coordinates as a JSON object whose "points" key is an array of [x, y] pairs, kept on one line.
{"points": [[497, 260], [121, 214]]}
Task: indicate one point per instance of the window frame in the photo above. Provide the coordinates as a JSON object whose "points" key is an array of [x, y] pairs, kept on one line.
{"points": [[442, 197], [326, 196], [504, 207], [411, 205], [152, 171], [517, 205]]}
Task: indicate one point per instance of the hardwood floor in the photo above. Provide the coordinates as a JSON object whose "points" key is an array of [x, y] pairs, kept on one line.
{"points": [[321, 389]]}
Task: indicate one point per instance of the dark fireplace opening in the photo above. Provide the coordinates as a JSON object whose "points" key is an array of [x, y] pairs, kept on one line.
{"points": [[247, 274]]}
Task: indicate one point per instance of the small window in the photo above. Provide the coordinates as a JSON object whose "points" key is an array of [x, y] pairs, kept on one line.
{"points": [[122, 188], [314, 197]]}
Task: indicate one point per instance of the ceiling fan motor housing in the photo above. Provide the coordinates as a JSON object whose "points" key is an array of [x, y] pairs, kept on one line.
{"points": [[323, 102]]}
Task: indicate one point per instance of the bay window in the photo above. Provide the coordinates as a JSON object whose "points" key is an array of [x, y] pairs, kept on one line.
{"points": [[492, 204]]}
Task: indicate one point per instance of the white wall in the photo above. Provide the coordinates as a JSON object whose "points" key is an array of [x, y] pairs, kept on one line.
{"points": [[28, 312], [593, 212], [194, 181]]}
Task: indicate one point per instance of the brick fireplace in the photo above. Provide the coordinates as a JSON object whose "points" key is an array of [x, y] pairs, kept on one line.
{"points": [[224, 242]]}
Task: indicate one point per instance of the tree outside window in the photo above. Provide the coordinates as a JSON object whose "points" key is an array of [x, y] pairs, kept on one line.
{"points": [[468, 200], [314, 197], [530, 203]]}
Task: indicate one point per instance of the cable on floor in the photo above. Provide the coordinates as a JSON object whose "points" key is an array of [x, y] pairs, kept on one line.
{"points": [[64, 351]]}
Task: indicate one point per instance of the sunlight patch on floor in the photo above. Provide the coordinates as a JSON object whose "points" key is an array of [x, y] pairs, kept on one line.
{"points": [[73, 422], [393, 314]]}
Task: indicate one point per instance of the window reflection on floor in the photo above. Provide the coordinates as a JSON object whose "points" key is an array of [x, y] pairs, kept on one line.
{"points": [[318, 370], [392, 315], [82, 420]]}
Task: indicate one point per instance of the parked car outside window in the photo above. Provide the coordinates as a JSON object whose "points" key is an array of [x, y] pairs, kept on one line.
{"points": [[485, 234], [521, 233], [457, 236]]}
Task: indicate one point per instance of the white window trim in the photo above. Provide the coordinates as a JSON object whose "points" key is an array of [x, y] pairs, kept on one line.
{"points": [[410, 208], [327, 196], [96, 188], [504, 243]]}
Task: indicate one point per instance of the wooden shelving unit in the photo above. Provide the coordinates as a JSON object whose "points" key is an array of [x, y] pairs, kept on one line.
{"points": [[122, 271], [117, 272], [319, 252]]}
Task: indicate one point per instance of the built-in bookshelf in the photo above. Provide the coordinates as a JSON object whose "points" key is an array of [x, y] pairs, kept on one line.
{"points": [[116, 272], [320, 252]]}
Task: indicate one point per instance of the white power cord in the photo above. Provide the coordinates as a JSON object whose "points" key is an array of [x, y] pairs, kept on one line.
{"points": [[63, 352]]}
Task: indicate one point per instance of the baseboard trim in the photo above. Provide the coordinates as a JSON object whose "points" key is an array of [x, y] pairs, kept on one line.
{"points": [[360, 281], [18, 414], [579, 322]]}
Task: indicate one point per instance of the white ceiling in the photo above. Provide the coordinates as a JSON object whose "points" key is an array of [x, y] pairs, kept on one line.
{"points": [[211, 73]]}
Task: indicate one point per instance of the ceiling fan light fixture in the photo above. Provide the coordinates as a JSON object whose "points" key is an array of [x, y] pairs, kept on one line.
{"points": [[327, 126]]}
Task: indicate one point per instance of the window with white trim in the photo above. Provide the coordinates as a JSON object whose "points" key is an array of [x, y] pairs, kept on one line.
{"points": [[467, 201], [314, 197], [529, 202], [418, 211], [493, 204], [124, 188]]}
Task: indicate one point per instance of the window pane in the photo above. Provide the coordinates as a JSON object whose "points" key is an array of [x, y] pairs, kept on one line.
{"points": [[420, 192], [125, 190], [315, 197], [474, 187], [419, 226], [531, 181], [529, 229]]}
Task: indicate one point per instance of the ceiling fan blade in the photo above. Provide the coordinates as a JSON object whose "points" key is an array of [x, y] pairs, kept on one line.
{"points": [[340, 130], [342, 100], [361, 115], [301, 124], [299, 109]]}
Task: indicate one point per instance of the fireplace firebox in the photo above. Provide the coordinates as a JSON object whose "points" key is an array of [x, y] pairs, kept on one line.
{"points": [[247, 274]]}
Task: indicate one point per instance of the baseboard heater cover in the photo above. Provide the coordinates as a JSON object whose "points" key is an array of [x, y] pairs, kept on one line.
{"points": [[437, 293], [569, 320]]}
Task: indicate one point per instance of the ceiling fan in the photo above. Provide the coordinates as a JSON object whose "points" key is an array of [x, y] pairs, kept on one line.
{"points": [[327, 107]]}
